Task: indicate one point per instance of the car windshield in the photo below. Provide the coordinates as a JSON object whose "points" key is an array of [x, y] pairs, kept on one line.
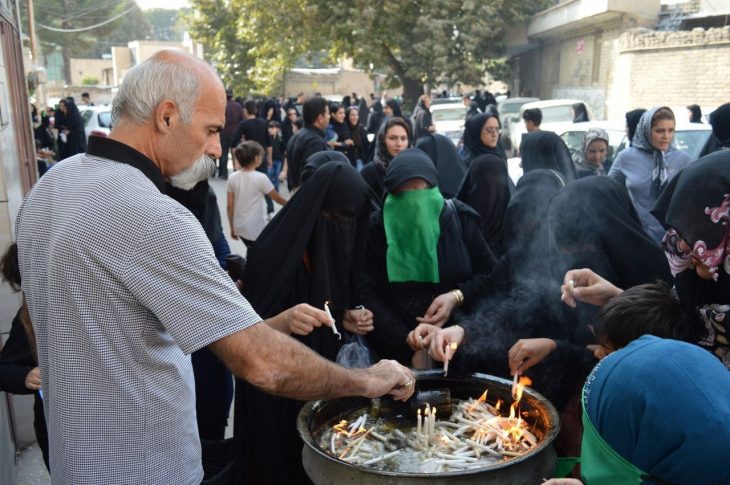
{"points": [[554, 114], [451, 114], [692, 142], [105, 119], [511, 107]]}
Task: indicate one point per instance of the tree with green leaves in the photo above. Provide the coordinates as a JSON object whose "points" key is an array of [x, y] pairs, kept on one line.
{"points": [[418, 42], [65, 23]]}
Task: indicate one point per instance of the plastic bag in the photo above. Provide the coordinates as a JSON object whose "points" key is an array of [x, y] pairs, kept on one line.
{"points": [[355, 354]]}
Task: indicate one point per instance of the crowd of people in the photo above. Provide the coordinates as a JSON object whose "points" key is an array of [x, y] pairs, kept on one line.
{"points": [[608, 287]]}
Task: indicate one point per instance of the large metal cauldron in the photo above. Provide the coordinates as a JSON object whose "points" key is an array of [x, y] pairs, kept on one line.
{"points": [[538, 463]]}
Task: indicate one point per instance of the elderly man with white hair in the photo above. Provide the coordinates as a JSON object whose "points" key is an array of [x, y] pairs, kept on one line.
{"points": [[122, 285]]}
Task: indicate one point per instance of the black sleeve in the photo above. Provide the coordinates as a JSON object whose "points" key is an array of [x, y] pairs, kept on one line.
{"points": [[238, 135], [313, 145], [16, 360], [388, 338], [482, 259], [267, 137]]}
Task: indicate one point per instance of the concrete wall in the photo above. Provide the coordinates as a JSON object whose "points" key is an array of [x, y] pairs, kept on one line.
{"points": [[671, 68], [333, 81], [80, 68]]}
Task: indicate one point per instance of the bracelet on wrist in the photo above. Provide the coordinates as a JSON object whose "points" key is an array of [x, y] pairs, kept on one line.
{"points": [[459, 297]]}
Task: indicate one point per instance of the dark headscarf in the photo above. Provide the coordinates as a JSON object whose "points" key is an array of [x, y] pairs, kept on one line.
{"points": [[314, 162], [362, 106], [545, 149], [594, 225], [581, 114], [335, 249], [409, 164], [696, 113], [486, 188], [632, 119], [393, 104], [526, 212], [444, 155], [720, 121], [376, 118], [654, 401], [473, 146], [76, 140]]}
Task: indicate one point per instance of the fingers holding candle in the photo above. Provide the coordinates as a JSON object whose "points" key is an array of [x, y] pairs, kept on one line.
{"points": [[444, 338], [420, 337], [334, 326]]}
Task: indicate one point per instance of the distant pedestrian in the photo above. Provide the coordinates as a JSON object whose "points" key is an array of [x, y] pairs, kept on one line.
{"points": [[592, 155], [694, 112], [580, 113], [278, 150], [422, 120], [246, 190], [307, 141], [720, 121], [234, 115], [533, 119]]}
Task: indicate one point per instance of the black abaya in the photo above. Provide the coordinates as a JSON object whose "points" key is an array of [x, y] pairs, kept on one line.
{"points": [[310, 253], [486, 188], [545, 149]]}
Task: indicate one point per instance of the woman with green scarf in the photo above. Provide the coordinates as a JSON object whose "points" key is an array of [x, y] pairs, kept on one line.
{"points": [[425, 256]]}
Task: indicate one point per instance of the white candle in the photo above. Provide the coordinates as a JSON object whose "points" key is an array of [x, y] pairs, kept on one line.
{"points": [[334, 327], [450, 349], [418, 423], [433, 420]]}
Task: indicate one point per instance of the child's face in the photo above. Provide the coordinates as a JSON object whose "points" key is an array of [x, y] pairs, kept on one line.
{"points": [[258, 160], [273, 130]]}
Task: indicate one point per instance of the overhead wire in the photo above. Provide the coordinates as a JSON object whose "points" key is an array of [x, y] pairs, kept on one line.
{"points": [[90, 27]]}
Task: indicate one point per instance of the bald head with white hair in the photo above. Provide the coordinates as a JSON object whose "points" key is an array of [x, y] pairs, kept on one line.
{"points": [[171, 108]]}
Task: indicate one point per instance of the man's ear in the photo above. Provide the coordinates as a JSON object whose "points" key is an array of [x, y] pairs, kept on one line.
{"points": [[165, 115]]}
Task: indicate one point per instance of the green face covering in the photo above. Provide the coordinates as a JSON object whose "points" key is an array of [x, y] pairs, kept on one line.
{"points": [[412, 231]]}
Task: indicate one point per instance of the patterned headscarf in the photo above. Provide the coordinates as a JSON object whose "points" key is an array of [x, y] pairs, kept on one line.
{"points": [[642, 141], [579, 158]]}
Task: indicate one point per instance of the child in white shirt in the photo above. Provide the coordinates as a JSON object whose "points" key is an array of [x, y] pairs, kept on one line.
{"points": [[246, 188]]}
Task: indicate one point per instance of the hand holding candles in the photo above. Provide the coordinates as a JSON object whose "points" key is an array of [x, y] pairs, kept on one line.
{"points": [[334, 326], [450, 349]]}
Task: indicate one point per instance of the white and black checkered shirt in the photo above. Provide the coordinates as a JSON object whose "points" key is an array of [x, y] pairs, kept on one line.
{"points": [[122, 285]]}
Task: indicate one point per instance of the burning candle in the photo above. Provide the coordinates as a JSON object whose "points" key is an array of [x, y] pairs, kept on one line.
{"points": [[514, 384], [433, 420], [418, 423], [571, 287], [334, 327], [450, 349]]}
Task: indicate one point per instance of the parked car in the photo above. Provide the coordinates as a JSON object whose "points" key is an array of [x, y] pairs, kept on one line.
{"points": [[451, 100], [692, 138], [97, 120], [509, 113], [449, 120], [553, 111]]}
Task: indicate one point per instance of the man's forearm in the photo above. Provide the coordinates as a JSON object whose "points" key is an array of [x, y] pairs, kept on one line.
{"points": [[283, 366]]}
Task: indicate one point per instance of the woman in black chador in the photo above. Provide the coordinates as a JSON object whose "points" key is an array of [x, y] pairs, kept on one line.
{"points": [[425, 257], [545, 149], [310, 253], [487, 189]]}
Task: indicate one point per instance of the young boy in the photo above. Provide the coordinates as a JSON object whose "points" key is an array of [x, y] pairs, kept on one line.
{"points": [[246, 190]]}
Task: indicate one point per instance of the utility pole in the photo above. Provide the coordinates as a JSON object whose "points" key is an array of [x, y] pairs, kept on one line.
{"points": [[35, 55]]}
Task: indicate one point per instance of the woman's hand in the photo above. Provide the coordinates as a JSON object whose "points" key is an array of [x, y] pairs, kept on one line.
{"points": [[442, 339], [440, 310], [586, 286], [33, 379], [420, 337], [303, 319], [358, 321], [528, 352]]}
